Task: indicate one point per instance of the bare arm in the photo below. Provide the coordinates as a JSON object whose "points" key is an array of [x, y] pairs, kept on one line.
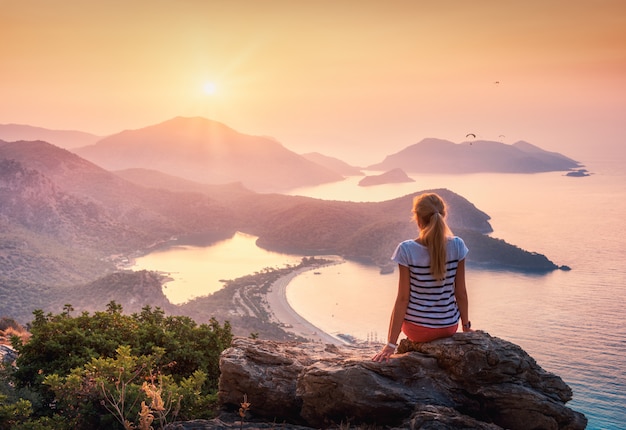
{"points": [[397, 315], [460, 292]]}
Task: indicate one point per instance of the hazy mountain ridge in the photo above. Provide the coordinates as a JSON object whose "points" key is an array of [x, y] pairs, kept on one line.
{"points": [[441, 156], [333, 164], [207, 151], [211, 152], [161, 181], [62, 138]]}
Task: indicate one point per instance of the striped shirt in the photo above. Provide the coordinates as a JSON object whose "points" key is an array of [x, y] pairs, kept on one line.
{"points": [[431, 303]]}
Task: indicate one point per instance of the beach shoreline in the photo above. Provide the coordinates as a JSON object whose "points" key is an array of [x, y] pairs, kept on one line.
{"points": [[288, 318]]}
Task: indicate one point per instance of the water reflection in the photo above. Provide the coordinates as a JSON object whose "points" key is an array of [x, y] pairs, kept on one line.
{"points": [[569, 321], [198, 270]]}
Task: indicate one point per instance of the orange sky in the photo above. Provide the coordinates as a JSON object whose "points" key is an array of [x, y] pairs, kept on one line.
{"points": [[356, 79]]}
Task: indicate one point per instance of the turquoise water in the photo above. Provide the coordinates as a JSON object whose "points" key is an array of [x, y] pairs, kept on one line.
{"points": [[570, 322]]}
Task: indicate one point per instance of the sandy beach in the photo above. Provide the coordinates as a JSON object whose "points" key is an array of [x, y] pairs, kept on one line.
{"points": [[289, 318]]}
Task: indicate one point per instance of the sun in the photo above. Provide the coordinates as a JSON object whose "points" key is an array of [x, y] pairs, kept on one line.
{"points": [[209, 88]]}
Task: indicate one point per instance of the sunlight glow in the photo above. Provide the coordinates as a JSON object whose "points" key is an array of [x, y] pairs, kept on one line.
{"points": [[209, 88]]}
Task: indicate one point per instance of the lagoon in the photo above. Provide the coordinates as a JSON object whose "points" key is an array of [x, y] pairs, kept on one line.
{"points": [[196, 271], [571, 322]]}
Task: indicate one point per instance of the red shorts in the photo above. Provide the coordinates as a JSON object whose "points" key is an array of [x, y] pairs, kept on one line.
{"points": [[418, 333]]}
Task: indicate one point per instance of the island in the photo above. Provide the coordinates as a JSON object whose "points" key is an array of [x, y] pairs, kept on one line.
{"points": [[393, 176], [579, 173]]}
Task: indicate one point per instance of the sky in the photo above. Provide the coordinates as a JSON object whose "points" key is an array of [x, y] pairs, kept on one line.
{"points": [[353, 79]]}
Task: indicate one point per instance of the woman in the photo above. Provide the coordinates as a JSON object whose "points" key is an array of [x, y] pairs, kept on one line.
{"points": [[431, 289]]}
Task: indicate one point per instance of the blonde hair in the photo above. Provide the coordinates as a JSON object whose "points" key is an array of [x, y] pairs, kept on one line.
{"points": [[429, 211]]}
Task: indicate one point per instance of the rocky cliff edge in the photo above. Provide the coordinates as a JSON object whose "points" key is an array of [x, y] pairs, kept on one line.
{"points": [[471, 380]]}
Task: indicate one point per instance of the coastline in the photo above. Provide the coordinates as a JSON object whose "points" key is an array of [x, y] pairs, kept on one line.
{"points": [[288, 318]]}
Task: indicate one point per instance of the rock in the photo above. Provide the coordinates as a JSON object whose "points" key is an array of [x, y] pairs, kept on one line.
{"points": [[230, 421], [471, 380], [7, 354], [578, 173]]}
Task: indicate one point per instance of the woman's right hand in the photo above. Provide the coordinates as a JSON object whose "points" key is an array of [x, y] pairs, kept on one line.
{"points": [[385, 354]]}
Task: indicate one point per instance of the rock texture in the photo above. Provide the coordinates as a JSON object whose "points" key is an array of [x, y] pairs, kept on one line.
{"points": [[471, 380], [7, 354]]}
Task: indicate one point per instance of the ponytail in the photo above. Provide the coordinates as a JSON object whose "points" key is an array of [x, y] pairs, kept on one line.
{"points": [[429, 211]]}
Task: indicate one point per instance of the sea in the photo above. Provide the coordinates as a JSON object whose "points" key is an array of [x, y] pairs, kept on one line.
{"points": [[572, 322]]}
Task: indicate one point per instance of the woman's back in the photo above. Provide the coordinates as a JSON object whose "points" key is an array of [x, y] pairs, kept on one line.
{"points": [[431, 301]]}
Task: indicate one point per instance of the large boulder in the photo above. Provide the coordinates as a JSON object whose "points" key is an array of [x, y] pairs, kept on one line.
{"points": [[470, 380]]}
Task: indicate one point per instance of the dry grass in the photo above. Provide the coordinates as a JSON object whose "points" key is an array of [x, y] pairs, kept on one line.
{"points": [[9, 328]]}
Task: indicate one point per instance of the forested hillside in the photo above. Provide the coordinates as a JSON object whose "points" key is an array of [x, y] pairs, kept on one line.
{"points": [[67, 223]]}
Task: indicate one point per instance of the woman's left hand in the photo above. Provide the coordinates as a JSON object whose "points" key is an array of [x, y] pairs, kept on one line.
{"points": [[385, 354]]}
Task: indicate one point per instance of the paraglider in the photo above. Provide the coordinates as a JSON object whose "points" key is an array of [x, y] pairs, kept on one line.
{"points": [[470, 134]]}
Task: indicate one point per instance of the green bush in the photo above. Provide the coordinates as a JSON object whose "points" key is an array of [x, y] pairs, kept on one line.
{"points": [[134, 390], [13, 413], [85, 367]]}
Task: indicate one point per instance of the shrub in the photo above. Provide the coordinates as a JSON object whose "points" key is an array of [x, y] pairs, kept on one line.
{"points": [[83, 366]]}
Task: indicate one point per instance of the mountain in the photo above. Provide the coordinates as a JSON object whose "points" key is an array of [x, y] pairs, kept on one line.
{"points": [[55, 193], [161, 181], [207, 151], [63, 217], [333, 164], [144, 209], [441, 156], [66, 222], [62, 138]]}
